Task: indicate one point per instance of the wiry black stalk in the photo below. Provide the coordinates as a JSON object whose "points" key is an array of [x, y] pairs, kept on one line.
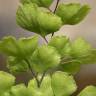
{"points": [[45, 40], [55, 11], [56, 5], [42, 77], [34, 75]]}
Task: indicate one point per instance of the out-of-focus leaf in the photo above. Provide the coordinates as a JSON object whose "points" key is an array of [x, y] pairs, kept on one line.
{"points": [[88, 91], [80, 15], [18, 51], [19, 90], [32, 18], [42, 3], [62, 44], [16, 65], [80, 48], [44, 90], [21, 48], [71, 67], [28, 46], [8, 46], [6, 94], [6, 81], [72, 13], [45, 57], [63, 84]]}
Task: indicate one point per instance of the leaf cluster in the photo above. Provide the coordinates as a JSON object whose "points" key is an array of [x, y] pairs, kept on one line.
{"points": [[53, 64]]}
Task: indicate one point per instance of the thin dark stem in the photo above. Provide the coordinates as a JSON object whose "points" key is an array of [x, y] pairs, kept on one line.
{"points": [[45, 40], [54, 12], [42, 77], [34, 75], [56, 5]]}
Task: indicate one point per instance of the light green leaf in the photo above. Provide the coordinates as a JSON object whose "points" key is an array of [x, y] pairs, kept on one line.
{"points": [[88, 59], [44, 90], [62, 45], [80, 15], [88, 91], [43, 3], [72, 13], [80, 48], [45, 57], [16, 65], [32, 18], [6, 81], [21, 48], [8, 46], [19, 90], [63, 84], [46, 26], [18, 51], [28, 45], [6, 94], [71, 67]]}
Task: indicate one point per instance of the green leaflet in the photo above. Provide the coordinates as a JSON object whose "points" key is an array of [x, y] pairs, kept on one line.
{"points": [[6, 94], [81, 53], [89, 59], [80, 15], [88, 91], [63, 84], [71, 67], [6, 82], [44, 90], [19, 90], [32, 18], [21, 48], [80, 48], [62, 44], [73, 55], [17, 51], [8, 46], [45, 57], [42, 3], [28, 45], [53, 86], [16, 65], [72, 13]]}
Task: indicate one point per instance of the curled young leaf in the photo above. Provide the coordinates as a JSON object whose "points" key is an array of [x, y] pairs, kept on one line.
{"points": [[72, 13], [6, 81], [88, 91], [44, 90], [45, 57], [32, 18], [42, 3], [63, 84]]}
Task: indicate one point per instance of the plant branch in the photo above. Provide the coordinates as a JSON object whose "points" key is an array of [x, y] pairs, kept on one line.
{"points": [[44, 73], [55, 11], [34, 75], [56, 5], [45, 40]]}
